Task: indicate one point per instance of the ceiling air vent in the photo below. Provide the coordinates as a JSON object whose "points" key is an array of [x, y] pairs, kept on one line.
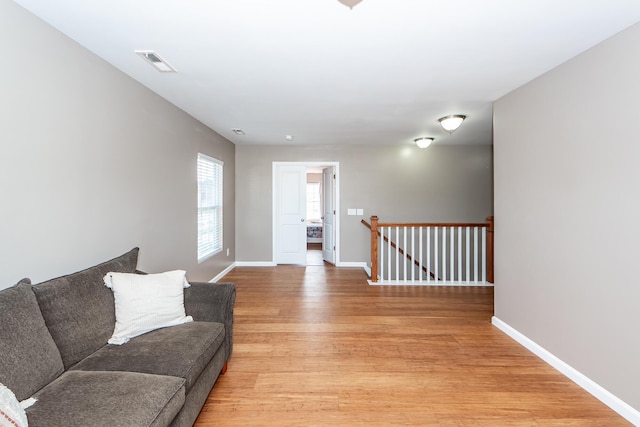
{"points": [[154, 59]]}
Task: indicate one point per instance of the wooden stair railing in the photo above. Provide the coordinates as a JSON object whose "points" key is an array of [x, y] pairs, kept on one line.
{"points": [[375, 233], [400, 250]]}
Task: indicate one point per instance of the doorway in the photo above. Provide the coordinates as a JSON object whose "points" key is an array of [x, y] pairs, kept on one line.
{"points": [[314, 254], [305, 207]]}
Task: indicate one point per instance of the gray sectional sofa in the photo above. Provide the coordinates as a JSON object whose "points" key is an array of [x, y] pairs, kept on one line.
{"points": [[53, 347]]}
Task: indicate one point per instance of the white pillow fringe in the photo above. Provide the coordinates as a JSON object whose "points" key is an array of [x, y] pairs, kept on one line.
{"points": [[10, 409], [28, 403]]}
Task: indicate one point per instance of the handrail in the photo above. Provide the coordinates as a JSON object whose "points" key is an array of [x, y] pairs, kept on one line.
{"points": [[400, 250], [430, 224], [489, 225]]}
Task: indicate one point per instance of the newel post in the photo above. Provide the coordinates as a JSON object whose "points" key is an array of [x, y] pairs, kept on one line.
{"points": [[374, 249], [490, 249]]}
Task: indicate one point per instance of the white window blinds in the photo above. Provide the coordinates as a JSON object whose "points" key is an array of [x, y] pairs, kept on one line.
{"points": [[313, 201], [209, 206]]}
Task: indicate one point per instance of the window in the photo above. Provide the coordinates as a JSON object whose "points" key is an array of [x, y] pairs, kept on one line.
{"points": [[313, 201], [209, 206]]}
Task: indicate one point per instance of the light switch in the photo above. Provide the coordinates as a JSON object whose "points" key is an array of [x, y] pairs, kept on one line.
{"points": [[351, 211], [360, 212]]}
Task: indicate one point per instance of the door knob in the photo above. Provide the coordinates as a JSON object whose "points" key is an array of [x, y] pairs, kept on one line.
{"points": [[301, 219]]}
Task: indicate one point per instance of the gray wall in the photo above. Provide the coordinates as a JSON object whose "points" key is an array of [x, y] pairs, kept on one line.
{"points": [[93, 164], [567, 205], [397, 183]]}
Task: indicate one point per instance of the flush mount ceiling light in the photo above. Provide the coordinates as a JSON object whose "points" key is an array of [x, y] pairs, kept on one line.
{"points": [[423, 142], [452, 122], [288, 137], [350, 3], [154, 59], [238, 131]]}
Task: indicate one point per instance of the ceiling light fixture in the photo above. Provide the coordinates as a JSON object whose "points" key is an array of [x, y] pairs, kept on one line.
{"points": [[238, 131], [350, 3], [451, 123], [154, 59], [423, 142], [289, 137]]}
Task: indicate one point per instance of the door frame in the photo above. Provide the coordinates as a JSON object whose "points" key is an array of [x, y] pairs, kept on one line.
{"points": [[274, 196]]}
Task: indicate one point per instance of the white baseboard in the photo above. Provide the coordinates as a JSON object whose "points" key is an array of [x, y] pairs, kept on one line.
{"points": [[223, 273], [367, 269], [625, 410], [255, 264], [351, 264]]}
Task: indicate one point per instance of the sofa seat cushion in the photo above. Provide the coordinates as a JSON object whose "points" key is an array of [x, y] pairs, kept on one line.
{"points": [[180, 351], [79, 310], [29, 359], [109, 399]]}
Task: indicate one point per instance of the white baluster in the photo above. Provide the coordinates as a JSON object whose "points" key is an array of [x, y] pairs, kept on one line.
{"points": [[459, 255], [389, 255], [404, 258], [444, 254], [420, 249], [436, 252], [452, 262], [413, 254], [381, 254], [428, 254], [468, 255], [397, 254], [475, 254]]}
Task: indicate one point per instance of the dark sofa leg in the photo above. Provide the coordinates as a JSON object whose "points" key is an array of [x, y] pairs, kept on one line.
{"points": [[224, 369]]}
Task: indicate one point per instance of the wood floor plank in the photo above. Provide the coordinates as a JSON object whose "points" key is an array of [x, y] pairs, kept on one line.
{"points": [[318, 346]]}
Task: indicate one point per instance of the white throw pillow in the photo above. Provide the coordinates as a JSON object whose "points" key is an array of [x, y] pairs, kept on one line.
{"points": [[146, 302], [11, 413]]}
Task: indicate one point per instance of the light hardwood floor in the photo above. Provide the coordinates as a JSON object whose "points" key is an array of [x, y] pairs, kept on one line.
{"points": [[318, 346]]}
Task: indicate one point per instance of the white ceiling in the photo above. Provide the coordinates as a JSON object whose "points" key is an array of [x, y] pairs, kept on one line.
{"points": [[381, 73]]}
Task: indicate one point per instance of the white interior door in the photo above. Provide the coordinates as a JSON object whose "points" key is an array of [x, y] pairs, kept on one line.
{"points": [[290, 239], [329, 214]]}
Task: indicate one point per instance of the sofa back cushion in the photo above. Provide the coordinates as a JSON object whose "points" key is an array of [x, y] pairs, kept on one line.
{"points": [[29, 358], [79, 310]]}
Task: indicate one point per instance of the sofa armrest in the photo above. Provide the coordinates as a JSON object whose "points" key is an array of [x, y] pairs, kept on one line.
{"points": [[212, 302]]}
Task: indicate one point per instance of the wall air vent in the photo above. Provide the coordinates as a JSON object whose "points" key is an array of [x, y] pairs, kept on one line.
{"points": [[154, 59]]}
